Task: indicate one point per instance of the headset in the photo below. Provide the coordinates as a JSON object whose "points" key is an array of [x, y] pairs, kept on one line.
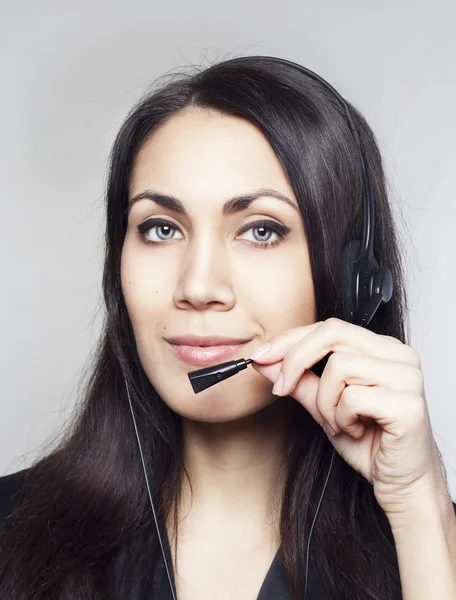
{"points": [[365, 286]]}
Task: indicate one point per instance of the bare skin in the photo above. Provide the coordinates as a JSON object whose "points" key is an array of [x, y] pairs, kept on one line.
{"points": [[205, 277]]}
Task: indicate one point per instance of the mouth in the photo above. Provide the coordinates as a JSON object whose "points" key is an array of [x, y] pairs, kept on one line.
{"points": [[206, 355]]}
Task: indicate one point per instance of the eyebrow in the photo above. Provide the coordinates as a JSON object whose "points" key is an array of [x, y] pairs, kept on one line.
{"points": [[232, 205]]}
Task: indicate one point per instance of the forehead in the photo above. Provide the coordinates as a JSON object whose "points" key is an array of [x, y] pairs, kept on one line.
{"points": [[200, 153]]}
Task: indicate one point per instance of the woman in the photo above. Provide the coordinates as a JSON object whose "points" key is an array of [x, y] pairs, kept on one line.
{"points": [[236, 471]]}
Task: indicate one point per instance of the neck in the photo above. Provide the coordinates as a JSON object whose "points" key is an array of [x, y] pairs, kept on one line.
{"points": [[237, 474]]}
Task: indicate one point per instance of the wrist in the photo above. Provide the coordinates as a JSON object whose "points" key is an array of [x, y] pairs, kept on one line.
{"points": [[431, 507]]}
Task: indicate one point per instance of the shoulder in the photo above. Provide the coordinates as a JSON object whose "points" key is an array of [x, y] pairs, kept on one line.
{"points": [[10, 488]]}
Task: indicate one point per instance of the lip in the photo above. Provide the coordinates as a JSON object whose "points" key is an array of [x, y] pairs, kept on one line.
{"points": [[206, 355], [207, 340]]}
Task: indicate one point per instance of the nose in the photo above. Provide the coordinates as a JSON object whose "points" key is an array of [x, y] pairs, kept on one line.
{"points": [[205, 277]]}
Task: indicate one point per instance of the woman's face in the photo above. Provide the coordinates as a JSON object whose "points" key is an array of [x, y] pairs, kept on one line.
{"points": [[208, 273]]}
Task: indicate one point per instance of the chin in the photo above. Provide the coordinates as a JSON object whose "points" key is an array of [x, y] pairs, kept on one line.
{"points": [[219, 412], [227, 401]]}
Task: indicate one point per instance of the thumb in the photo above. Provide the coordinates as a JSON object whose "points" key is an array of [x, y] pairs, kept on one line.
{"points": [[271, 372]]}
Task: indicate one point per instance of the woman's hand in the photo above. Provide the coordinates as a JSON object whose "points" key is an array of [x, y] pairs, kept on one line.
{"points": [[371, 393]]}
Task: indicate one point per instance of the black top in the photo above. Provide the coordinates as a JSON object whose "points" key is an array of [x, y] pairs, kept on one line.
{"points": [[135, 581]]}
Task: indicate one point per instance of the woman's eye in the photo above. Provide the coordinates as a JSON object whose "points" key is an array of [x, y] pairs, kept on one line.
{"points": [[262, 235], [262, 231], [162, 227]]}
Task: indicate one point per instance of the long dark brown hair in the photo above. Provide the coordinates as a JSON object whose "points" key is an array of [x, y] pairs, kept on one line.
{"points": [[86, 497]]}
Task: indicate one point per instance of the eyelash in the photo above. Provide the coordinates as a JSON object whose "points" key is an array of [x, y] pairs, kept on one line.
{"points": [[281, 230]]}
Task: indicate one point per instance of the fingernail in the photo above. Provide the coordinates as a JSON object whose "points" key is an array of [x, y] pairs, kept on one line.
{"points": [[278, 385], [329, 430], [260, 351]]}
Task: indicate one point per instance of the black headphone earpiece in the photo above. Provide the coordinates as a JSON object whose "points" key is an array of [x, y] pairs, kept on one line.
{"points": [[364, 284], [362, 289]]}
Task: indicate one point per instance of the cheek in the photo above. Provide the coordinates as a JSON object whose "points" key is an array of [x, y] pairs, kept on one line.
{"points": [[282, 296], [144, 285], [130, 281]]}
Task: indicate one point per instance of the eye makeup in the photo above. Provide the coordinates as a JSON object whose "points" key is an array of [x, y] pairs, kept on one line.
{"points": [[280, 230]]}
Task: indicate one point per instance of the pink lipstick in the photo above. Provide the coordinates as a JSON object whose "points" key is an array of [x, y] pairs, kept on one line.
{"points": [[206, 355]]}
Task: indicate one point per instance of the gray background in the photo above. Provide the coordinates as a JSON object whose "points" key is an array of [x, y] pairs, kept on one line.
{"points": [[69, 74]]}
